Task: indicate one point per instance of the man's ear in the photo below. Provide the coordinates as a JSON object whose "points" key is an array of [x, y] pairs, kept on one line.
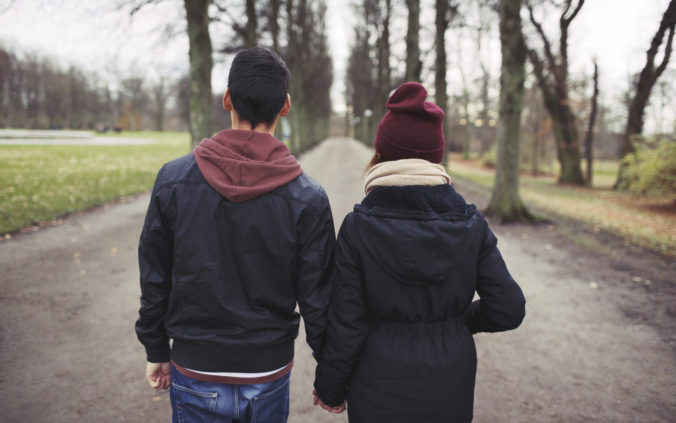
{"points": [[227, 102], [286, 107]]}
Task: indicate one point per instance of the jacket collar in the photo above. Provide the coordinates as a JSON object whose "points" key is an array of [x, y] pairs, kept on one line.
{"points": [[415, 201]]}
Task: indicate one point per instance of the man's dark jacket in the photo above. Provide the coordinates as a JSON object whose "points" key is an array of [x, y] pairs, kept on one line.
{"points": [[222, 278], [399, 341]]}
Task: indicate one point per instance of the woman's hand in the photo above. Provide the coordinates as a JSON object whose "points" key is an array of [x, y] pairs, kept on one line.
{"points": [[335, 410]]}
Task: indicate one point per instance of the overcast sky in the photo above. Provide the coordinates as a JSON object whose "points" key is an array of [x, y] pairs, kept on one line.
{"points": [[96, 36]]}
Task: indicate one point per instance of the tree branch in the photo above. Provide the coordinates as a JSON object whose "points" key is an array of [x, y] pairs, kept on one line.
{"points": [[538, 69], [140, 5], [547, 45], [569, 19], [667, 53]]}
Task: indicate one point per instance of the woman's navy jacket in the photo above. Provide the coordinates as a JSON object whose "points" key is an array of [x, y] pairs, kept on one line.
{"points": [[399, 341]]}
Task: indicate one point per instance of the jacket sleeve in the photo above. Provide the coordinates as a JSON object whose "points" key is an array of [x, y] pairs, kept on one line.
{"points": [[348, 326], [501, 305], [155, 254], [313, 284]]}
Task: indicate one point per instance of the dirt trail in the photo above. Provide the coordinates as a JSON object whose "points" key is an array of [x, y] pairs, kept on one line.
{"points": [[596, 345]]}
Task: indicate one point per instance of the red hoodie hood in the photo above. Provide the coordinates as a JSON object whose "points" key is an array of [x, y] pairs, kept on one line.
{"points": [[242, 165]]}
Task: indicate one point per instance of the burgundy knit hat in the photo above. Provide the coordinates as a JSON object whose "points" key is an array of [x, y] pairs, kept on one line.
{"points": [[411, 127]]}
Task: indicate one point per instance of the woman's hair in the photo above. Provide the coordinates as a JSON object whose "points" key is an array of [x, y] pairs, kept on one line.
{"points": [[377, 158]]}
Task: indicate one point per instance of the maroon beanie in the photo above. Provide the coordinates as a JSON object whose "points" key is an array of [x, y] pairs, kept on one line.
{"points": [[411, 127]]}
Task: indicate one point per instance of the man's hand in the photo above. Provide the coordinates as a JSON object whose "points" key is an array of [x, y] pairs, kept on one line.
{"points": [[158, 375], [335, 410]]}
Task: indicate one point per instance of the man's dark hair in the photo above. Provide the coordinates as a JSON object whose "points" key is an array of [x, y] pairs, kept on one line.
{"points": [[258, 83]]}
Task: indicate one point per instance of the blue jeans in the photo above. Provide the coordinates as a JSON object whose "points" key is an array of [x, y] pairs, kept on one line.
{"points": [[196, 401]]}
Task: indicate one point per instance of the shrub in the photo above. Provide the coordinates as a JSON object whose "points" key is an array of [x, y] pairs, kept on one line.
{"points": [[651, 171], [490, 158]]}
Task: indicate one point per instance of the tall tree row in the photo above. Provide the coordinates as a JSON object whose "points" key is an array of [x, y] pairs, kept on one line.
{"points": [[37, 93], [369, 76], [306, 54], [295, 29]]}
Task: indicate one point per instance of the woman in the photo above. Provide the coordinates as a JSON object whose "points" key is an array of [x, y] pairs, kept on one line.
{"points": [[409, 259]]}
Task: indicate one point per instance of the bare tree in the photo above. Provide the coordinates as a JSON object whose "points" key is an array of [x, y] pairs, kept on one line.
{"points": [[413, 62], [589, 138], [552, 77], [505, 203], [646, 81]]}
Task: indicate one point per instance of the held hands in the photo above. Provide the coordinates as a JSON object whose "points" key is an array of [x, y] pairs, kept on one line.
{"points": [[335, 410], [158, 375]]}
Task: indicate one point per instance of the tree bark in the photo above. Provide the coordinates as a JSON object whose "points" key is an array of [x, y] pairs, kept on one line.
{"points": [[274, 24], [645, 84], [506, 204], [160, 97], [413, 63], [201, 63], [251, 33], [441, 24], [589, 139], [384, 75]]}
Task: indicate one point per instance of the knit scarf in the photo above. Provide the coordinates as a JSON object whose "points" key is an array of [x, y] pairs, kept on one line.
{"points": [[405, 172]]}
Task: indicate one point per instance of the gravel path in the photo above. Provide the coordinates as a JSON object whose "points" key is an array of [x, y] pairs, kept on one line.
{"points": [[597, 343]]}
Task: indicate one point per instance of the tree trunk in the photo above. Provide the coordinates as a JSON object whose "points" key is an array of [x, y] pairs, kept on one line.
{"points": [[274, 24], [589, 139], [644, 86], [251, 35], [384, 74], [413, 63], [197, 12], [535, 150], [505, 203], [387, 83], [467, 140], [485, 141], [441, 24]]}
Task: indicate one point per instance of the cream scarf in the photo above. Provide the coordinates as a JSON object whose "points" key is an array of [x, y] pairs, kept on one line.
{"points": [[405, 172]]}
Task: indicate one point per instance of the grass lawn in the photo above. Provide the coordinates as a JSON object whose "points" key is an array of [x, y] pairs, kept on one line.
{"points": [[41, 182], [650, 222]]}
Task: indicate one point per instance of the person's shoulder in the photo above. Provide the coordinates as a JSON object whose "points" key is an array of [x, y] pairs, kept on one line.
{"points": [[307, 190], [176, 170]]}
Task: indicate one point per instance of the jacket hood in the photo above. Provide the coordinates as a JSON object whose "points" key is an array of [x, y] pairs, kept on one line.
{"points": [[242, 165], [419, 235]]}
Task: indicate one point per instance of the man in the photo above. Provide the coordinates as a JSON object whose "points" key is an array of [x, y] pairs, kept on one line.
{"points": [[235, 236]]}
